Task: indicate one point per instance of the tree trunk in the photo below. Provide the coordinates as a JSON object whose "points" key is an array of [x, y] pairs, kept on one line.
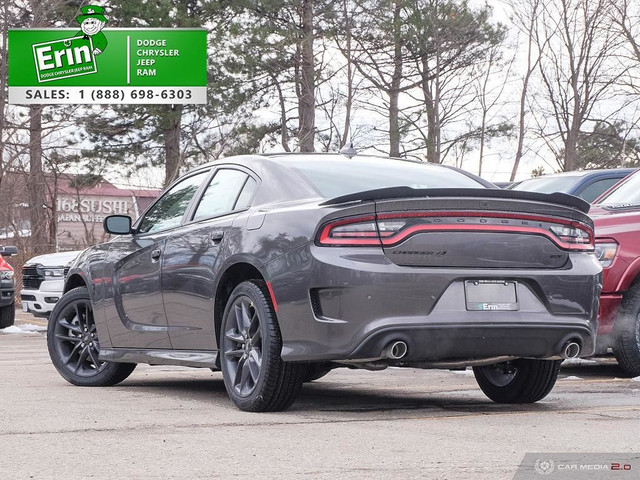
{"points": [[36, 185], [394, 127], [430, 111], [3, 82], [519, 150], [394, 91], [346, 132], [571, 150], [172, 144], [483, 133], [306, 101]]}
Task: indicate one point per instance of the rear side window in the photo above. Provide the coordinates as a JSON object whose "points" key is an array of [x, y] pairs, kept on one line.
{"points": [[228, 190], [168, 211], [246, 195]]}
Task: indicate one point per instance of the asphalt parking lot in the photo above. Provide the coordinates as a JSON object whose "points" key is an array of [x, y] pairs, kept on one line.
{"points": [[173, 422]]}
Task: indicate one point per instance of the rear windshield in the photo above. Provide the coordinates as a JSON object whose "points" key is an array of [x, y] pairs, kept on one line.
{"points": [[562, 184], [336, 176]]}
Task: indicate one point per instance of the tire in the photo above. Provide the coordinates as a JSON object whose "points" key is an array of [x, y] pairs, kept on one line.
{"points": [[315, 371], [256, 378], [74, 346], [518, 381], [627, 332], [7, 315]]}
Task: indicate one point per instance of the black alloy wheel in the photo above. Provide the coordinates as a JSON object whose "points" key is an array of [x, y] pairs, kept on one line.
{"points": [[518, 381], [243, 352], [74, 345], [256, 378]]}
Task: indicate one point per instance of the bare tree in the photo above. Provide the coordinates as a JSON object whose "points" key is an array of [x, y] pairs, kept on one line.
{"points": [[576, 44], [448, 42], [490, 95], [525, 18], [376, 49]]}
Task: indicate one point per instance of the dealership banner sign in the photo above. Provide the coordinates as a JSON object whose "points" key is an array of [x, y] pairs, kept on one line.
{"points": [[107, 65]]}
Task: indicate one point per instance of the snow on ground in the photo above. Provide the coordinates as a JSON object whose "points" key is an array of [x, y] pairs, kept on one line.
{"points": [[468, 371], [635, 379], [572, 362], [26, 328], [572, 377]]}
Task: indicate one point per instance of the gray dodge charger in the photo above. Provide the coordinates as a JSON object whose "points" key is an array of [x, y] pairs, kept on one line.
{"points": [[276, 269]]}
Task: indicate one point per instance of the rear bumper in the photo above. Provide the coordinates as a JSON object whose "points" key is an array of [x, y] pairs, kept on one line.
{"points": [[607, 313], [609, 306], [349, 304], [459, 341]]}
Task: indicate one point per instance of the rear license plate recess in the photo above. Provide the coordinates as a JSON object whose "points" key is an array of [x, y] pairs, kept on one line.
{"points": [[491, 295]]}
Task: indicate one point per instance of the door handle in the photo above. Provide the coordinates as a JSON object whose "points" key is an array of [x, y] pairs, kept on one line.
{"points": [[155, 255], [216, 237]]}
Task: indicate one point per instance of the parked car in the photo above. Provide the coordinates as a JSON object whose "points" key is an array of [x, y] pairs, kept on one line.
{"points": [[277, 268], [617, 220], [7, 288], [43, 281], [586, 184]]}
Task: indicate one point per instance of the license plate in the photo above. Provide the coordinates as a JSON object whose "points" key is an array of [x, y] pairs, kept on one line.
{"points": [[491, 295], [25, 308]]}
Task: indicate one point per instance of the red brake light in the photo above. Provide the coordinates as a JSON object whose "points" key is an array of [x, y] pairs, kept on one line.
{"points": [[393, 228], [351, 231]]}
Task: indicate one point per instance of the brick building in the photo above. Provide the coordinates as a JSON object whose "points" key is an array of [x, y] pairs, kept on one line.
{"points": [[77, 207]]}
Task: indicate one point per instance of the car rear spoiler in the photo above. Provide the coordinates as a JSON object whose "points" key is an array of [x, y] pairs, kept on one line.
{"points": [[408, 192]]}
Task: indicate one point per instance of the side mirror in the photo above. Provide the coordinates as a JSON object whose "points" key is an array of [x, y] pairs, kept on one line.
{"points": [[117, 224], [8, 250]]}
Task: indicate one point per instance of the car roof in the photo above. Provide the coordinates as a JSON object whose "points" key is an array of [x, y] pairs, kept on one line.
{"points": [[585, 173]]}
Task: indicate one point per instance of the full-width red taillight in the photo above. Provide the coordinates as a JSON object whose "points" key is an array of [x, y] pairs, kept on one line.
{"points": [[389, 229]]}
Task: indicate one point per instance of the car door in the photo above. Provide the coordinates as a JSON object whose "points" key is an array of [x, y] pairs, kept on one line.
{"points": [[193, 256], [136, 317]]}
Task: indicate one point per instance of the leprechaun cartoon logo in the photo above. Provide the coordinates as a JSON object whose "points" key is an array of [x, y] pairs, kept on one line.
{"points": [[74, 56], [92, 21]]}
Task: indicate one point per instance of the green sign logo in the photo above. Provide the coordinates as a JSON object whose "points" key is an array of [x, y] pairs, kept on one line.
{"points": [[107, 66], [65, 58], [71, 57]]}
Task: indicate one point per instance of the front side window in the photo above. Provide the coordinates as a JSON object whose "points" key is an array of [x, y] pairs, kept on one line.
{"points": [[228, 190], [168, 211]]}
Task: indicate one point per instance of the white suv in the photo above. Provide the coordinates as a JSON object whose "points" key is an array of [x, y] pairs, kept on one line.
{"points": [[43, 281]]}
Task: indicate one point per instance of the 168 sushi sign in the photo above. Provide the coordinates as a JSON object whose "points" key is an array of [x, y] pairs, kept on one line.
{"points": [[97, 64]]}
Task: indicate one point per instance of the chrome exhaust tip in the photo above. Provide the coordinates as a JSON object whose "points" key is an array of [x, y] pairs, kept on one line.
{"points": [[571, 350], [395, 350]]}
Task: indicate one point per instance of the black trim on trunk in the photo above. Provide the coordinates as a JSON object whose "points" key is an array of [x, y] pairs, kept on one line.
{"points": [[408, 192]]}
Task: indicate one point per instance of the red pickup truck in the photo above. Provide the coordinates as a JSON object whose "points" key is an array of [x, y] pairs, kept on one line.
{"points": [[616, 215]]}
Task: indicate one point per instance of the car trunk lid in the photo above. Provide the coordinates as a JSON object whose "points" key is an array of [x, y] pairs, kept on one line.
{"points": [[481, 230]]}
